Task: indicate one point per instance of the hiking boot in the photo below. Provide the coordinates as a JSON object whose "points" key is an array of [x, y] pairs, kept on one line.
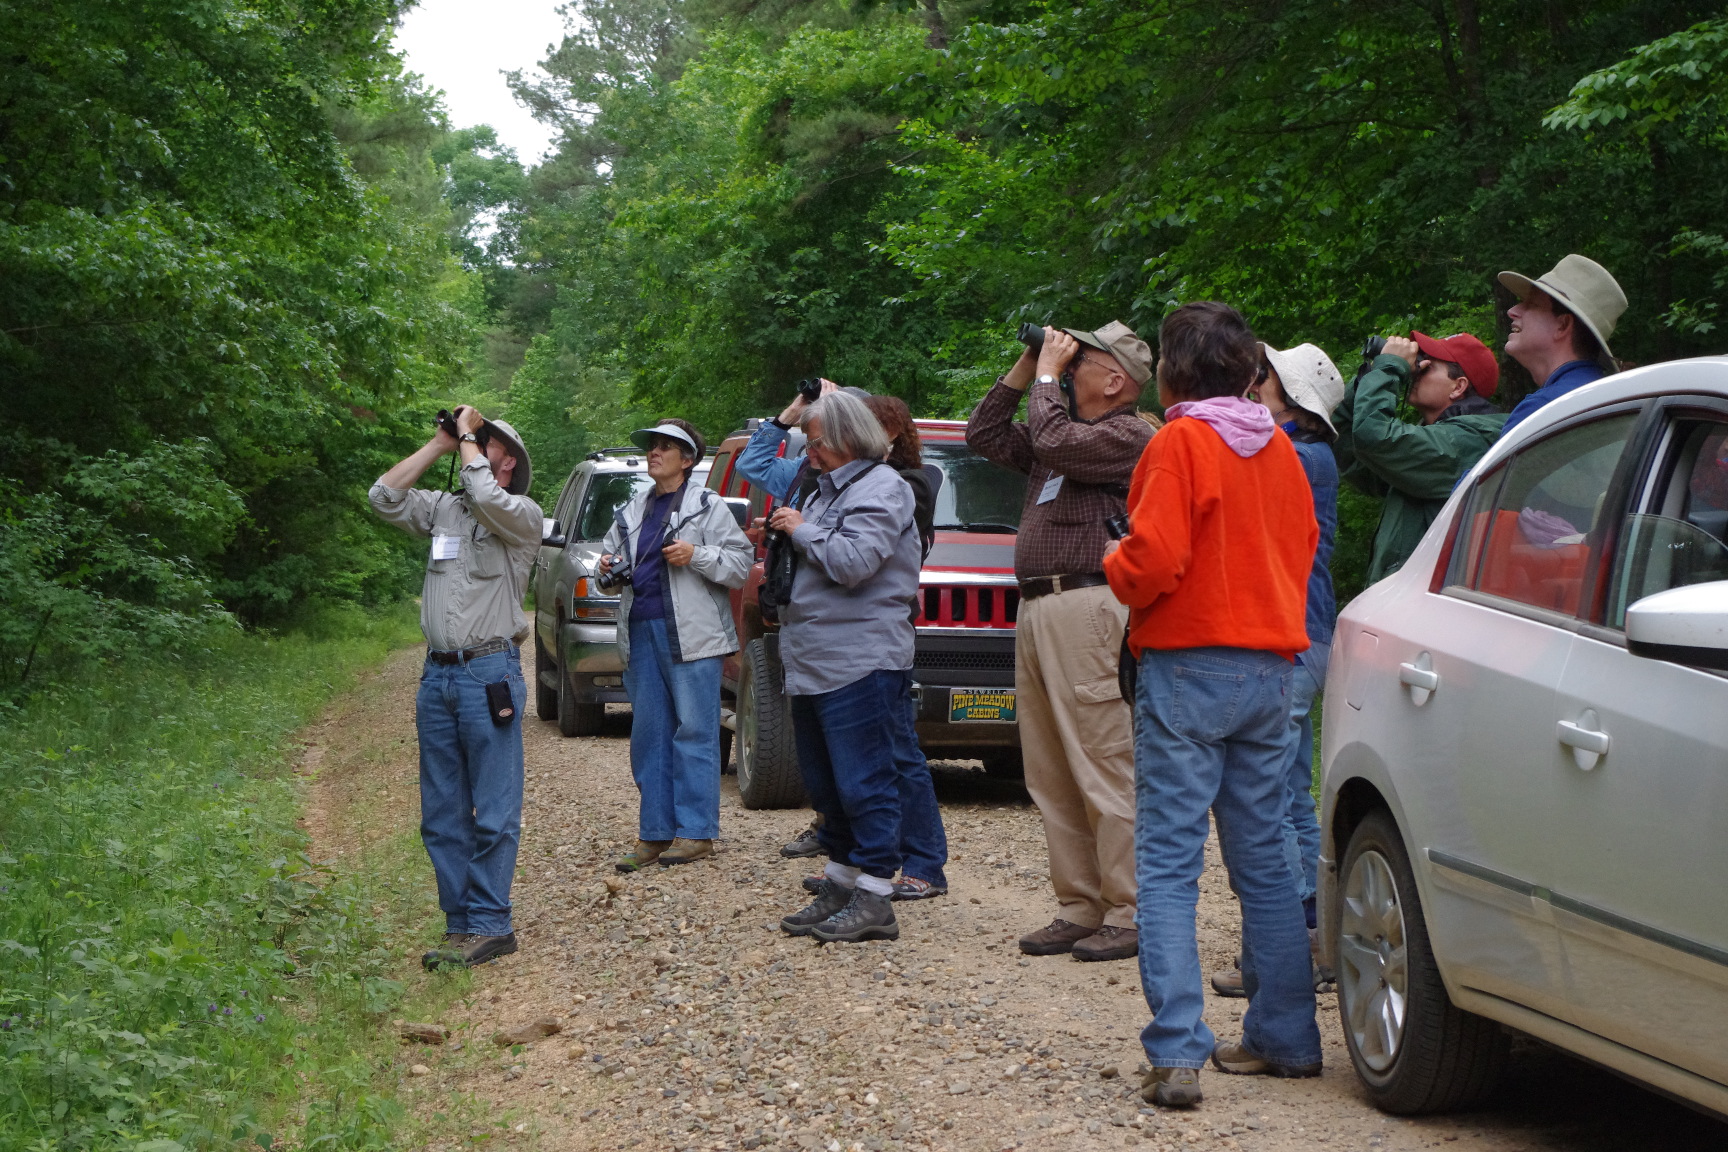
{"points": [[830, 898], [1058, 937], [813, 884], [647, 851], [449, 952], [807, 844], [485, 949], [1228, 981], [1237, 1060], [1108, 943], [866, 916], [1171, 1087], [912, 888], [684, 851]]}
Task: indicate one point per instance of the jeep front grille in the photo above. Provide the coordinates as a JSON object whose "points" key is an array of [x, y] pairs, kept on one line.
{"points": [[968, 606]]}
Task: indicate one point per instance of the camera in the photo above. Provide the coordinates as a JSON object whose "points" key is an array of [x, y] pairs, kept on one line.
{"points": [[616, 576], [1117, 525], [1031, 335], [810, 388]]}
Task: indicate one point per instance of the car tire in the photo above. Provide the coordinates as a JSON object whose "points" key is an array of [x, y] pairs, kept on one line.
{"points": [[545, 699], [1005, 765], [725, 750], [576, 718], [767, 759], [1418, 1052]]}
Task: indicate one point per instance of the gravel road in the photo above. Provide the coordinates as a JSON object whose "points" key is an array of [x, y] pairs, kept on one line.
{"points": [[687, 1020]]}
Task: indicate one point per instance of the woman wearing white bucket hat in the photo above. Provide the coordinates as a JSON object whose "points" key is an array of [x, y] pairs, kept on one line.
{"points": [[1300, 386]]}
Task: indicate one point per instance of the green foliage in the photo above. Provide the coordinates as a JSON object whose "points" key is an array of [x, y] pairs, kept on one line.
{"points": [[170, 961]]}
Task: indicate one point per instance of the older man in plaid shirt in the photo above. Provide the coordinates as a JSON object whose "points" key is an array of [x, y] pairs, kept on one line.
{"points": [[1078, 447]]}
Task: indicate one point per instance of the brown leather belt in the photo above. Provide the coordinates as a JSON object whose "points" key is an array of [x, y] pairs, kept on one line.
{"points": [[1044, 585], [489, 648]]}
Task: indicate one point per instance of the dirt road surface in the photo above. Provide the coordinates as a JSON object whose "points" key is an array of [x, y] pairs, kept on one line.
{"points": [[687, 1020]]}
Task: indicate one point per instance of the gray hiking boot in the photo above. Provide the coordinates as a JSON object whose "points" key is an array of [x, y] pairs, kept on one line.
{"points": [[830, 898], [1171, 1087], [866, 916]]}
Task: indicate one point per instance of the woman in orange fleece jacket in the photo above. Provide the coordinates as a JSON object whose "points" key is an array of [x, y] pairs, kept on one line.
{"points": [[1215, 575]]}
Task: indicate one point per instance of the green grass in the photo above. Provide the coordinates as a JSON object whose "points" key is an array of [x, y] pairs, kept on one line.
{"points": [[174, 971]]}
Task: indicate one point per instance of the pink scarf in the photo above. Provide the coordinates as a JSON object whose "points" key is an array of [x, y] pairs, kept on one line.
{"points": [[1244, 426]]}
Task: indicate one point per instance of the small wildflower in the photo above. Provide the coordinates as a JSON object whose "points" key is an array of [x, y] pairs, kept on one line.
{"points": [[259, 1017], [212, 1008], [227, 1011]]}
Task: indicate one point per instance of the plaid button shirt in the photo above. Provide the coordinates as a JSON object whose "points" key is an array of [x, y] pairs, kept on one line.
{"points": [[1065, 535]]}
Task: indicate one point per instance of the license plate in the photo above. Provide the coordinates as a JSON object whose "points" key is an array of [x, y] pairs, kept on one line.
{"points": [[978, 705]]}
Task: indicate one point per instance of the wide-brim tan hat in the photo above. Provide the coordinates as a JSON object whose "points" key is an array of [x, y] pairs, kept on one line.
{"points": [[1119, 340], [523, 477], [1309, 378], [1587, 289]]}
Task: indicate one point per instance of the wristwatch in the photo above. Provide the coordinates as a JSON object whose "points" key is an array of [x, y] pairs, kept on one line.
{"points": [[1046, 379], [470, 438]]}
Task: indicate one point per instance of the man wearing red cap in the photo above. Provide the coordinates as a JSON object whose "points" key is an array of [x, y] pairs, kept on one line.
{"points": [[1414, 467]]}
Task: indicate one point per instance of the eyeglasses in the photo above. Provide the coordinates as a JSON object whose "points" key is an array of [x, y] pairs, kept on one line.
{"points": [[813, 443]]}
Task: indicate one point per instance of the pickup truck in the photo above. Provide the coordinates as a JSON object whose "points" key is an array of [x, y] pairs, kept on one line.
{"points": [[967, 603]]}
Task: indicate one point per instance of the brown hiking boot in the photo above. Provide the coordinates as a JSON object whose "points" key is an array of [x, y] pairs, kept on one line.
{"points": [[1228, 981], [1058, 937], [647, 851], [684, 851], [1238, 1060], [1108, 943], [1171, 1087]]}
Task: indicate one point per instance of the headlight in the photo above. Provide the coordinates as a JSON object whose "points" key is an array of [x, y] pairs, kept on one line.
{"points": [[589, 605]]}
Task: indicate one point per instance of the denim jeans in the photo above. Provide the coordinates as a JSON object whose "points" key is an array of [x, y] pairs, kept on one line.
{"points": [[471, 789], [1301, 825], [674, 737], [923, 842], [1212, 731], [846, 754]]}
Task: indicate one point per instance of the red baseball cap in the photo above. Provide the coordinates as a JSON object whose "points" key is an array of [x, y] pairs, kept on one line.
{"points": [[1469, 354]]}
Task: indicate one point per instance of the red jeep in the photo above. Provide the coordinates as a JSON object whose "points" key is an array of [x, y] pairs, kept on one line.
{"points": [[963, 667]]}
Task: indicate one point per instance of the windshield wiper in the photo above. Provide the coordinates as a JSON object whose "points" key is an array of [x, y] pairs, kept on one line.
{"points": [[979, 526]]}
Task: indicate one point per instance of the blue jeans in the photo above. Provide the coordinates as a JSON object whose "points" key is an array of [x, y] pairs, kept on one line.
{"points": [[1301, 825], [471, 789], [846, 754], [674, 737], [923, 843], [1212, 731]]}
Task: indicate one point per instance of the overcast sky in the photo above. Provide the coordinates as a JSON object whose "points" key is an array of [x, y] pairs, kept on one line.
{"points": [[464, 48]]}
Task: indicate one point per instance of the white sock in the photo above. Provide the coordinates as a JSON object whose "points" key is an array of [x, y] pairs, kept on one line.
{"points": [[875, 885], [842, 874]]}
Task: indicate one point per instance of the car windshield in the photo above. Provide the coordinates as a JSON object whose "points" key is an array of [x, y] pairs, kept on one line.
{"points": [[976, 495], [606, 494]]}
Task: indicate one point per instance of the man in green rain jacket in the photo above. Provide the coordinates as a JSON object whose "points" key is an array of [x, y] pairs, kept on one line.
{"points": [[1414, 467]]}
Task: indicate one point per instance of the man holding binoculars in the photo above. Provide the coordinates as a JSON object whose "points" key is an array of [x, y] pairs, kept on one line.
{"points": [[1078, 448], [469, 707]]}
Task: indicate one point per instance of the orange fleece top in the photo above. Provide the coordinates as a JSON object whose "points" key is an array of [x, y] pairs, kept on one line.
{"points": [[1221, 545]]}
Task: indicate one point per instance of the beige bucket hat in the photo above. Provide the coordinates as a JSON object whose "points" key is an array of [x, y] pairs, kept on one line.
{"points": [[1310, 380], [523, 477], [1120, 341], [1584, 286]]}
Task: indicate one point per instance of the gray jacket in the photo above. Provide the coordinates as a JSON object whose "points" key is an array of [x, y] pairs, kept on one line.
{"points": [[858, 564], [699, 613]]}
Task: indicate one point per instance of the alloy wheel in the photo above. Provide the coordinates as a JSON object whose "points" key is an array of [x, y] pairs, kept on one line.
{"points": [[746, 720], [1373, 972]]}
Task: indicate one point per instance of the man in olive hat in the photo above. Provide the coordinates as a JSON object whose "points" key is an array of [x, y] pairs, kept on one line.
{"points": [[1560, 329], [469, 708], [1078, 447]]}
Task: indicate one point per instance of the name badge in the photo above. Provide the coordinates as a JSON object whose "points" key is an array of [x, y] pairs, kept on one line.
{"points": [[445, 547], [1051, 487]]}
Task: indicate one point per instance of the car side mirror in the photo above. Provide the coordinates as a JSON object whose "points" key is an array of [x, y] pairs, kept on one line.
{"points": [[551, 533], [740, 509], [1685, 625]]}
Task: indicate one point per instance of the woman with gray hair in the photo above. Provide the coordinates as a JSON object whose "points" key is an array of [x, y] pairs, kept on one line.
{"points": [[846, 645]]}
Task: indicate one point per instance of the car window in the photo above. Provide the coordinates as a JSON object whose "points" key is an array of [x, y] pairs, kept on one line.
{"points": [[606, 494], [1530, 525], [566, 498], [717, 478], [975, 493], [1685, 540]]}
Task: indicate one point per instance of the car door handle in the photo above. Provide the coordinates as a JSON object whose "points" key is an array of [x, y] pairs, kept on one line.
{"points": [[1415, 677], [1588, 744]]}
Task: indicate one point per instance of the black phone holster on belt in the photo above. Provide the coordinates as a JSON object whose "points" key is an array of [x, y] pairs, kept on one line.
{"points": [[499, 703]]}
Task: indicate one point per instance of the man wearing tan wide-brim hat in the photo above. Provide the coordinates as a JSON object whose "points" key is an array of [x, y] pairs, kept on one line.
{"points": [[1560, 329]]}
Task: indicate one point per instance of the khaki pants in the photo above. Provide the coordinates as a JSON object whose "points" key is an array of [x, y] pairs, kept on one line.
{"points": [[1077, 735]]}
